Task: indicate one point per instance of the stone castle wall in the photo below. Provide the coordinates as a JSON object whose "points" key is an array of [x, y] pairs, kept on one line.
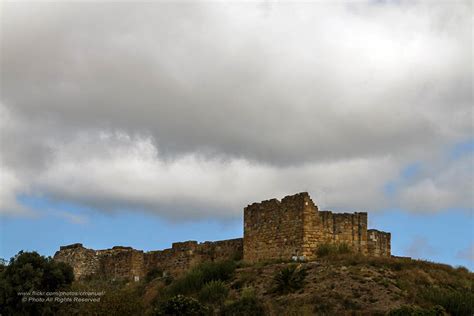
{"points": [[273, 229], [348, 228], [379, 243], [184, 255], [295, 227], [128, 263]]}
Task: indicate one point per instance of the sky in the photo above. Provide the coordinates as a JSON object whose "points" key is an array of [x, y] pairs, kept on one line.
{"points": [[141, 124]]}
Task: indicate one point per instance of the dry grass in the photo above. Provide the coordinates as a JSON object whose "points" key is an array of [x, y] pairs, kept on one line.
{"points": [[337, 284], [340, 284]]}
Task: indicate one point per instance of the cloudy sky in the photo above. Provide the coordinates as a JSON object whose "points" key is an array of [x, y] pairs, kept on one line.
{"points": [[163, 120]]}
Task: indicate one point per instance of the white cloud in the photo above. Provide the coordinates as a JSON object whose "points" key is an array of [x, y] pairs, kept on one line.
{"points": [[297, 85], [115, 171], [443, 185], [10, 188], [195, 110]]}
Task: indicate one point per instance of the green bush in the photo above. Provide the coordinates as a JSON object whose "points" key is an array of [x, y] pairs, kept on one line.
{"points": [[191, 282], [117, 298], [246, 278], [219, 270], [327, 249], [167, 279], [289, 279], [458, 303], [323, 307], [462, 269], [195, 279], [417, 311], [213, 292], [29, 271], [153, 274], [247, 305], [181, 306], [343, 248]]}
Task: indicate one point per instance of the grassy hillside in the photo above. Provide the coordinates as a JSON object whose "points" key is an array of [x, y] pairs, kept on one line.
{"points": [[337, 284], [344, 284]]}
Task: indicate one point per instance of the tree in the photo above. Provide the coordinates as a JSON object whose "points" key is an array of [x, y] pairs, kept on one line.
{"points": [[26, 272], [289, 279]]}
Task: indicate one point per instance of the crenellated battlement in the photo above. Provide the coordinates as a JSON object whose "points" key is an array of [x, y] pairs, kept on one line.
{"points": [[289, 201]]}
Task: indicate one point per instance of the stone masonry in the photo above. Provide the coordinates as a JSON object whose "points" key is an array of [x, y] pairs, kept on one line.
{"points": [[292, 228], [128, 263]]}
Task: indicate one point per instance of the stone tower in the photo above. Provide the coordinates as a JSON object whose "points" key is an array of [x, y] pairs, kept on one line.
{"points": [[294, 227]]}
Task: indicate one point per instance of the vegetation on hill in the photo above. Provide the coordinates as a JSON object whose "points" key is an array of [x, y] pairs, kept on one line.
{"points": [[339, 283], [27, 272]]}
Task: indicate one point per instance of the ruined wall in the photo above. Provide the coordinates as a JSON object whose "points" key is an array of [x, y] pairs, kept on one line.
{"points": [[295, 227], [327, 227], [274, 229], [120, 262], [184, 255], [348, 228], [128, 263], [84, 261], [379, 243]]}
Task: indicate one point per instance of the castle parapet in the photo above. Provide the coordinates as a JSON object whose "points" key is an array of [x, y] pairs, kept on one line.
{"points": [[299, 200], [122, 248], [185, 245]]}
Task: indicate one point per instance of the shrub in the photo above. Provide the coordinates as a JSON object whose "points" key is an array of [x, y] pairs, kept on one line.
{"points": [[322, 306], [195, 279], [153, 274], [214, 292], [220, 270], [343, 248], [29, 271], [117, 298], [247, 305], [191, 282], [326, 249], [350, 304], [167, 279], [122, 301], [462, 269], [181, 306], [289, 279], [417, 311], [454, 302], [246, 278]]}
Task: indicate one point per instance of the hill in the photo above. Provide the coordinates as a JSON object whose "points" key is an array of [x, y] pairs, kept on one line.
{"points": [[335, 284]]}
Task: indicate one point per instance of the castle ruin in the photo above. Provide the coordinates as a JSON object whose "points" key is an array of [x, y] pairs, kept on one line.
{"points": [[294, 228], [290, 229]]}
